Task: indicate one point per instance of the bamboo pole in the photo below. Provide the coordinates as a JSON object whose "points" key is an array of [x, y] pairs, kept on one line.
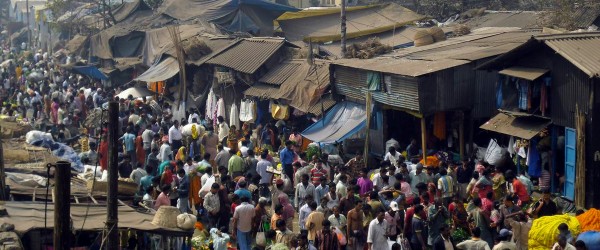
{"points": [[580, 162], [367, 137], [424, 140]]}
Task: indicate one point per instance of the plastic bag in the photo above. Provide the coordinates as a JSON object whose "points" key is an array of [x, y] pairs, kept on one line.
{"points": [[206, 187], [494, 153], [35, 135], [186, 221], [341, 237]]}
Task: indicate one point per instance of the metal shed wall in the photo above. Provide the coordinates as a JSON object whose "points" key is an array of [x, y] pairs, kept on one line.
{"points": [[447, 90], [402, 92], [350, 82], [484, 96], [570, 86]]}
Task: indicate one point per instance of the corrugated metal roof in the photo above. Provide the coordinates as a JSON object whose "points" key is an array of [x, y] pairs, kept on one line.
{"points": [[582, 51], [247, 55], [281, 72], [585, 16], [522, 127], [521, 19], [261, 91], [323, 105], [418, 61]]}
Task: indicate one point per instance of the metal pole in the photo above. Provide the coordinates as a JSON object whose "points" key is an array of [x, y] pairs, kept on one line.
{"points": [[62, 206], [343, 28], [424, 140], [112, 216]]}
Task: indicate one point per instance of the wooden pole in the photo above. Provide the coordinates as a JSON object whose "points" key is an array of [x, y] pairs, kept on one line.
{"points": [[62, 205], [343, 28], [3, 193], [367, 137], [461, 135], [112, 216], [424, 140]]}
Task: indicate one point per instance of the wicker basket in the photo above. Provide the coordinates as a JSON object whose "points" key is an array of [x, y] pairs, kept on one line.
{"points": [[166, 217], [124, 187]]}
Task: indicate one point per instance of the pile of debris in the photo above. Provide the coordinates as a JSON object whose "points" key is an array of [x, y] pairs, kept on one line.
{"points": [[367, 49], [195, 48]]}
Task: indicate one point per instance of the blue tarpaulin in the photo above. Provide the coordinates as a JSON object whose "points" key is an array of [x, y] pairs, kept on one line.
{"points": [[90, 71], [341, 122]]}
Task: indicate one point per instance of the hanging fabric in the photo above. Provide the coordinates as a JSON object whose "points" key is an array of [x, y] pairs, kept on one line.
{"points": [[234, 119], [523, 88], [544, 95], [211, 106], [534, 160], [529, 94], [280, 112], [221, 108], [253, 111], [511, 146], [499, 93], [244, 110], [374, 81], [439, 125]]}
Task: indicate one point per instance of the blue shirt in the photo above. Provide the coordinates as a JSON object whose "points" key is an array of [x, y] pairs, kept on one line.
{"points": [[242, 192], [321, 192], [286, 156], [146, 182], [129, 141]]}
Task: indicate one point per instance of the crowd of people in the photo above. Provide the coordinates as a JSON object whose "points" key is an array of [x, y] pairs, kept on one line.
{"points": [[251, 185]]}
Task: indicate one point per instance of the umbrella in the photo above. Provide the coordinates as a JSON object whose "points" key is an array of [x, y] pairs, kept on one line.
{"points": [[136, 92]]}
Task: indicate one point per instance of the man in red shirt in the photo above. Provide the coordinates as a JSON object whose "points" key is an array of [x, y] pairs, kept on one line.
{"points": [[317, 172], [518, 188]]}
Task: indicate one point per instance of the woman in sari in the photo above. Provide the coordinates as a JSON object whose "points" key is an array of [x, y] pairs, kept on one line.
{"points": [[140, 153], [499, 183], [209, 142], [232, 138], [288, 210], [180, 156], [103, 150], [484, 185]]}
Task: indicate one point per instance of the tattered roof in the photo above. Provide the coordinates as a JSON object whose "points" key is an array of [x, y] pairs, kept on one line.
{"points": [[580, 49], [27, 216], [248, 55], [261, 90], [76, 43], [323, 26], [520, 19], [282, 72], [418, 61]]}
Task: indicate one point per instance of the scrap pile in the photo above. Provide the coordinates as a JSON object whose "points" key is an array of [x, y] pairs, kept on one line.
{"points": [[194, 48], [367, 49]]}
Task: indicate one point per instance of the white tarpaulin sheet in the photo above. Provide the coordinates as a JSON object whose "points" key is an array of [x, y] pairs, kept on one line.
{"points": [[342, 121], [136, 92], [161, 71]]}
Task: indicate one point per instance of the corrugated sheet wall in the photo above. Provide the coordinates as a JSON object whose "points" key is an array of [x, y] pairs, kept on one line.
{"points": [[350, 82], [402, 92], [484, 96], [447, 90], [570, 86]]}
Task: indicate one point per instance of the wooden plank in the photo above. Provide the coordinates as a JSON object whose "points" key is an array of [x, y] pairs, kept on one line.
{"points": [[92, 197], [76, 199]]}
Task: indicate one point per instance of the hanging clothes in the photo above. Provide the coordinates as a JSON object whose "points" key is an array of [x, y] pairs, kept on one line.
{"points": [[221, 108], [523, 87], [247, 111], [544, 95], [244, 111], [234, 118], [211, 107], [439, 125], [499, 93], [511, 146], [534, 160], [280, 112]]}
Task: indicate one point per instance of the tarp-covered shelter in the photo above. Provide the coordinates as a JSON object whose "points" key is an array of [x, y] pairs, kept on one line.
{"points": [[28, 216], [323, 25], [160, 71], [341, 122], [252, 16], [136, 92], [91, 71], [76, 44], [297, 82]]}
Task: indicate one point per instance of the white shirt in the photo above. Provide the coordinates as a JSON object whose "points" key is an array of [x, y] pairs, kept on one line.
{"points": [[261, 169], [302, 191], [223, 131], [302, 215], [393, 159], [191, 118], [147, 136], [187, 130], [137, 174], [567, 247], [165, 153], [244, 213], [174, 134], [377, 234]]}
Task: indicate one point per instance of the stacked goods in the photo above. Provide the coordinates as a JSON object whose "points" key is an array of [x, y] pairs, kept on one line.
{"points": [[544, 231], [195, 48], [186, 221], [422, 38], [437, 33], [590, 220], [461, 30], [367, 49]]}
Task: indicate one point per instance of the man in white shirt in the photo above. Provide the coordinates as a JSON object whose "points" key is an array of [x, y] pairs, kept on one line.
{"points": [[175, 137], [392, 156], [242, 223], [377, 234], [417, 176], [304, 190], [562, 244], [223, 129], [137, 174], [147, 137], [265, 177], [165, 153]]}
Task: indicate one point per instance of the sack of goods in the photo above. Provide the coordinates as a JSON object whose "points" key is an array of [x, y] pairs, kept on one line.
{"points": [[186, 221]]}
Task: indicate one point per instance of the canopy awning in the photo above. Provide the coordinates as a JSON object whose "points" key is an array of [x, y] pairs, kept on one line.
{"points": [[136, 92], [341, 122], [160, 71], [524, 73], [90, 71], [525, 127]]}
